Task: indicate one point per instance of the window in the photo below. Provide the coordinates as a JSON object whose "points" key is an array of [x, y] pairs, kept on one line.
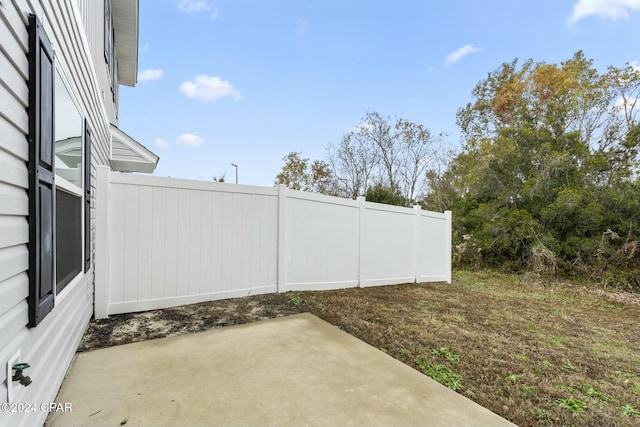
{"points": [[69, 186], [109, 47], [107, 31]]}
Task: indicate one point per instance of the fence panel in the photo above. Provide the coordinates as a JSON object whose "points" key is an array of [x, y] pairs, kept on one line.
{"points": [[164, 242], [433, 248], [321, 236], [176, 242], [387, 244]]}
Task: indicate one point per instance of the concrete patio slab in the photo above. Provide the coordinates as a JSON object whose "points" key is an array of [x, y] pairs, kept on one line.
{"points": [[292, 371]]}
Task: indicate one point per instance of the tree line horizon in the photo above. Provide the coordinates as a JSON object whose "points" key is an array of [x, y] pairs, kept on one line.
{"points": [[545, 179]]}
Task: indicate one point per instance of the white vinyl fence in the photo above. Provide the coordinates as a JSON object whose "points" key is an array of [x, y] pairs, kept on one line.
{"points": [[163, 242]]}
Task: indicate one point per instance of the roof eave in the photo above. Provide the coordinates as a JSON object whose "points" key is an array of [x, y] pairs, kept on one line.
{"points": [[131, 166], [149, 158], [126, 27]]}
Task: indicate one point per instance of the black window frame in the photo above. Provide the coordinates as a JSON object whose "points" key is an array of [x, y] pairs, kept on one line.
{"points": [[71, 202], [87, 196]]}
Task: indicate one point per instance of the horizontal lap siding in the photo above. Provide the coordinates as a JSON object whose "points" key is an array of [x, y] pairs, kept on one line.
{"points": [[14, 203], [120, 152], [49, 347]]}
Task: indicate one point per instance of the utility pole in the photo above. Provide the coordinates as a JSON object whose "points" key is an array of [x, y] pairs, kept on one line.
{"points": [[235, 166]]}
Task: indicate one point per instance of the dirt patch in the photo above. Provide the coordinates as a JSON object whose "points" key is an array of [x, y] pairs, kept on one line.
{"points": [[134, 327], [536, 351]]}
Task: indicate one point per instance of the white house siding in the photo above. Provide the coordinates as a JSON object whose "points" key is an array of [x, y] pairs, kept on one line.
{"points": [[122, 152], [91, 15], [50, 346]]}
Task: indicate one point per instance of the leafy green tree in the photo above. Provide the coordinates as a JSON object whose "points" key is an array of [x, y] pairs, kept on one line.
{"points": [[549, 162], [387, 195], [298, 174]]}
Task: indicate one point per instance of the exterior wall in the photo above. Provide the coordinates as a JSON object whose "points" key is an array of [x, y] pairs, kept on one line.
{"points": [[164, 242], [121, 152], [91, 14], [50, 346]]}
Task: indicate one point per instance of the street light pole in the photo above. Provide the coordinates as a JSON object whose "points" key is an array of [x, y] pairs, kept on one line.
{"points": [[235, 166]]}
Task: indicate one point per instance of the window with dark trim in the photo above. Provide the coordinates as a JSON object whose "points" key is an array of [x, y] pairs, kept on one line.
{"points": [[70, 147], [42, 194], [114, 68], [87, 196], [107, 31], [110, 48]]}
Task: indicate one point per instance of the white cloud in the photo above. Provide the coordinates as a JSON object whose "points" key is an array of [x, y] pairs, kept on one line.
{"points": [[611, 9], [629, 103], [189, 6], [635, 65], [161, 143], [209, 88], [363, 128], [458, 54], [146, 75], [189, 140]]}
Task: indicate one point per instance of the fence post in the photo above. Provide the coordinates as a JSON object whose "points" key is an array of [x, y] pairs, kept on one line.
{"points": [[416, 239], [361, 232], [448, 245], [282, 250], [101, 290]]}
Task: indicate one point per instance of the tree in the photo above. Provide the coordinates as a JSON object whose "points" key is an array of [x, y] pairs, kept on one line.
{"points": [[550, 153], [294, 172], [417, 153], [383, 152], [387, 195], [298, 174], [354, 160]]}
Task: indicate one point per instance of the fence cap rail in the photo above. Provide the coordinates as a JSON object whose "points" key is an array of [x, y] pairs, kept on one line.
{"points": [[188, 184]]}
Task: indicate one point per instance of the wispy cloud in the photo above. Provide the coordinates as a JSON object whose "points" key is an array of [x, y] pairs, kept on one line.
{"points": [[459, 54], [161, 143], [189, 140], [363, 128], [192, 6], [209, 88], [147, 75], [611, 9]]}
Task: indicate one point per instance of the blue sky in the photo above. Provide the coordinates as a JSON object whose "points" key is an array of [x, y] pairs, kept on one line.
{"points": [[246, 82]]}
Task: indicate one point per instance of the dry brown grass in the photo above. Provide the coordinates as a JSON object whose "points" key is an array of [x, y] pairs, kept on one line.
{"points": [[537, 351], [534, 351]]}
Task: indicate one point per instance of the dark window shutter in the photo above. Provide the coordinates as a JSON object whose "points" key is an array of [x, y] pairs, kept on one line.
{"points": [[87, 196], [42, 194], [107, 31]]}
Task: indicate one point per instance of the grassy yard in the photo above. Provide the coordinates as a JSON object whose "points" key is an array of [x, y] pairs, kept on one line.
{"points": [[535, 351]]}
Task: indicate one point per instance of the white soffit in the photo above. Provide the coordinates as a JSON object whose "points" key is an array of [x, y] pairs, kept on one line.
{"points": [[137, 157], [125, 15]]}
